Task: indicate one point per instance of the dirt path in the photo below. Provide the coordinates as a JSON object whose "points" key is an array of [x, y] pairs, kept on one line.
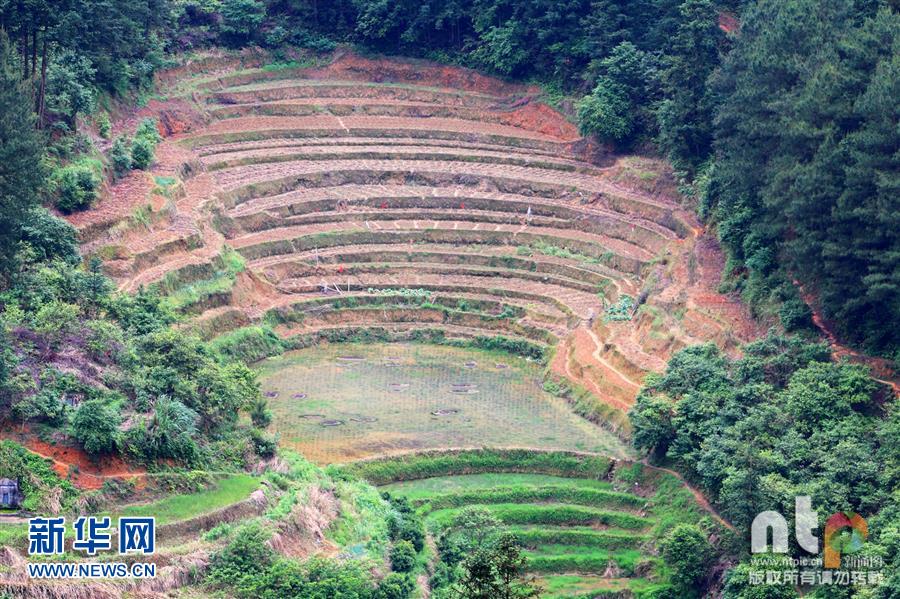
{"points": [[881, 371], [596, 355], [698, 495]]}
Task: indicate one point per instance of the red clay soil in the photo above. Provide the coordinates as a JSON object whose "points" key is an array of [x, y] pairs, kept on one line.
{"points": [[72, 463], [729, 23], [350, 67]]}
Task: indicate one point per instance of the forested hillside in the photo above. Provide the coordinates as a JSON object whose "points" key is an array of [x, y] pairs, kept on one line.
{"points": [[780, 120]]}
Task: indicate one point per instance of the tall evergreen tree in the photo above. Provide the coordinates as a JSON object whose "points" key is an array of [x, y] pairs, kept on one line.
{"points": [[685, 117], [805, 183], [22, 172]]}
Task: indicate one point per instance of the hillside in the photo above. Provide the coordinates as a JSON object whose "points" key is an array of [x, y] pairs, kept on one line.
{"points": [[448, 300]]}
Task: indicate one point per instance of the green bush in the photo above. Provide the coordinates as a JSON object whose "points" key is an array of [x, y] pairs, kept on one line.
{"points": [[395, 586], [149, 129], [77, 188], [687, 551], [49, 237], [403, 557], [142, 153], [260, 414], [169, 433], [606, 112], [120, 157], [264, 445], [96, 426], [245, 555], [104, 126], [794, 315]]}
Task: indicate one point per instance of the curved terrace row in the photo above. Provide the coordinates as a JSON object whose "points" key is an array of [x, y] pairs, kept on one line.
{"points": [[341, 196]]}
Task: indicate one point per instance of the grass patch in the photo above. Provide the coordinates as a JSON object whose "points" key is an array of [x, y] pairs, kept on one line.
{"points": [[524, 494], [424, 396], [447, 463], [222, 281], [182, 507], [555, 514], [426, 487], [536, 537], [248, 344]]}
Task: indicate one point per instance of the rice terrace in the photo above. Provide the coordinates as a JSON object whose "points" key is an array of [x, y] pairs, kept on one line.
{"points": [[455, 266], [350, 323]]}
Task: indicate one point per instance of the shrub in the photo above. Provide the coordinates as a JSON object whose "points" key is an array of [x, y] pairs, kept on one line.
{"points": [[149, 129], [50, 237], [264, 445], [795, 315], [395, 586], [120, 157], [689, 554], [169, 433], [260, 414], [46, 405], [96, 426], [246, 554], [142, 153], [104, 127], [403, 557], [606, 112], [56, 318], [77, 188]]}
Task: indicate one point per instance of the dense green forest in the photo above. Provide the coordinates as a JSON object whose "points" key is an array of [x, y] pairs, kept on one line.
{"points": [[780, 422], [784, 132]]}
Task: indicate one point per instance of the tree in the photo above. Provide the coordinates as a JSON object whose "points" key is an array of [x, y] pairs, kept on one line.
{"points": [[495, 571], [805, 182], [77, 188], [685, 117], [22, 170], [142, 153], [96, 426], [241, 19], [260, 414], [606, 112], [479, 579], [687, 551], [70, 90], [511, 565]]}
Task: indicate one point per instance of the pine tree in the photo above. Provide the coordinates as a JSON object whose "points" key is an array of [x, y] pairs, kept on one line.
{"points": [[22, 173]]}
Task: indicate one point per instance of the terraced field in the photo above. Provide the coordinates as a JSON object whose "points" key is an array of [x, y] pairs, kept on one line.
{"points": [[348, 189], [586, 524], [345, 402]]}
